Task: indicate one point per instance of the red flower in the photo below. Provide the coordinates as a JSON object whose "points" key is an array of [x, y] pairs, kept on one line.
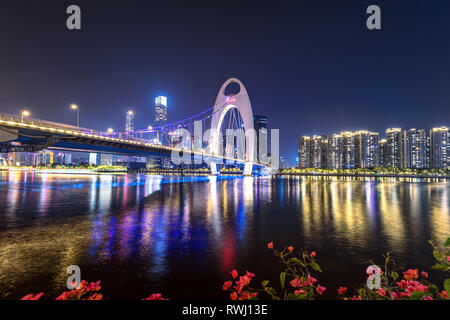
{"points": [[381, 292], [32, 296], [227, 285], [295, 282], [155, 296], [249, 274], [411, 274], [312, 254], [394, 295], [427, 298], [290, 248], [444, 294], [320, 289], [424, 274], [342, 290], [300, 291], [233, 296], [234, 273], [270, 245]]}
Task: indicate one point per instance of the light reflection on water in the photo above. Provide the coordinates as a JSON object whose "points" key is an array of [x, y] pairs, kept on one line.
{"points": [[142, 234]]}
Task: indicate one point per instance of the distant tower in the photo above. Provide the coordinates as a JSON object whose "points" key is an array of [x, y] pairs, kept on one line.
{"points": [[129, 122], [160, 110]]}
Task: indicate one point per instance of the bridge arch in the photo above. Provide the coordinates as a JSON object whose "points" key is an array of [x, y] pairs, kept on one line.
{"points": [[241, 102]]}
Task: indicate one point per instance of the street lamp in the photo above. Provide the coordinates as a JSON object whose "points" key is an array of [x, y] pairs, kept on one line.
{"points": [[75, 107], [110, 130], [25, 113]]}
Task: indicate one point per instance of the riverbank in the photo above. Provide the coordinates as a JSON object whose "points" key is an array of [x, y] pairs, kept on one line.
{"points": [[368, 173]]}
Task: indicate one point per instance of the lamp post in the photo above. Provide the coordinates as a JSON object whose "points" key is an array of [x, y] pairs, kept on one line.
{"points": [[75, 107], [110, 131], [25, 113]]}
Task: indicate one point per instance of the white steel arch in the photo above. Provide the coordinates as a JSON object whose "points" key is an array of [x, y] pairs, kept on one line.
{"points": [[224, 103]]}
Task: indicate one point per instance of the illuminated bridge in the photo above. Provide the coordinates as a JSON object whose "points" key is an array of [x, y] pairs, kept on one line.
{"points": [[229, 112]]}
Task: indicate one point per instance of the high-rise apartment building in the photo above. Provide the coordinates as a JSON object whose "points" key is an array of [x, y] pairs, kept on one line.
{"points": [[366, 149], [304, 152], [416, 146], [394, 148], [440, 148]]}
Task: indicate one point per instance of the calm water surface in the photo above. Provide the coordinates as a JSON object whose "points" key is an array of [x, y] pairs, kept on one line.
{"points": [[141, 234]]}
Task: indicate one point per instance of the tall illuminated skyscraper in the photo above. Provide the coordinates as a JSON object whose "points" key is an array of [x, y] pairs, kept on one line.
{"points": [[129, 121], [395, 148], [160, 110], [366, 149], [416, 141], [440, 148], [304, 152]]}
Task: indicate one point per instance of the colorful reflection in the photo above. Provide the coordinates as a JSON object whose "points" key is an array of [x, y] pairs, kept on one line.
{"points": [[142, 232]]}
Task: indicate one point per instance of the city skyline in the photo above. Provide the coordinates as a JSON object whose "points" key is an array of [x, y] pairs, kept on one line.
{"points": [[308, 68], [400, 148]]}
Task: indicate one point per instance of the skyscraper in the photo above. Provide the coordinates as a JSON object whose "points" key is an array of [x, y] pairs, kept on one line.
{"points": [[366, 149], [304, 152], [129, 121], [317, 157], [440, 148], [335, 152], [416, 141], [394, 148], [382, 154], [160, 110], [260, 126]]}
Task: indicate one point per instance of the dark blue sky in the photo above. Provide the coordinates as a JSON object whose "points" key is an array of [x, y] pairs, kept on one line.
{"points": [[310, 66]]}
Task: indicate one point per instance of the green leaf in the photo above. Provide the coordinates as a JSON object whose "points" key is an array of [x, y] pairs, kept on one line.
{"points": [[282, 279], [447, 285], [297, 261], [293, 296], [394, 275], [265, 283], [316, 267], [440, 267], [271, 291], [447, 242], [437, 255], [417, 295]]}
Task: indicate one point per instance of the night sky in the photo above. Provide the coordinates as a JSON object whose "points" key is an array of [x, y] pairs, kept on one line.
{"points": [[310, 66]]}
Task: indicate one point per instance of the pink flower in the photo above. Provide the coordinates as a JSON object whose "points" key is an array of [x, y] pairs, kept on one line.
{"points": [[234, 273], [448, 258], [301, 291], [270, 245], [227, 285], [32, 296], [356, 298], [427, 298], [342, 290], [312, 254], [444, 294], [249, 274], [320, 289], [424, 274], [394, 295], [311, 280], [381, 292], [233, 295]]}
